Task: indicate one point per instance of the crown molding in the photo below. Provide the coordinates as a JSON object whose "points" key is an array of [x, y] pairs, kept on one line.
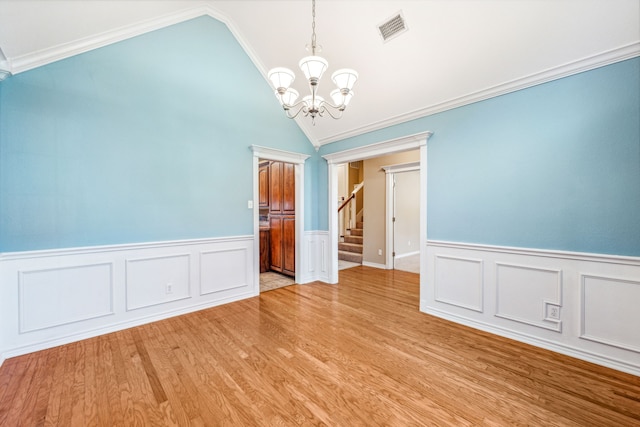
{"points": [[46, 56], [612, 56]]}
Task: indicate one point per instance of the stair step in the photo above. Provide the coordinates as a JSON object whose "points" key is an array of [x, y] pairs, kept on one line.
{"points": [[360, 224], [356, 231], [353, 239], [350, 256], [350, 247]]}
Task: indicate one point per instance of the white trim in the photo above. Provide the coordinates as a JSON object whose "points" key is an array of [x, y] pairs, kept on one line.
{"points": [[564, 332], [548, 253], [279, 155], [17, 338], [390, 172], [402, 167], [404, 143], [602, 59], [298, 160], [408, 254], [565, 349], [85, 250], [374, 265]]}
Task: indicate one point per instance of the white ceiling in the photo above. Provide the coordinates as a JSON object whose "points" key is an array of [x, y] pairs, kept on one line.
{"points": [[455, 51]]}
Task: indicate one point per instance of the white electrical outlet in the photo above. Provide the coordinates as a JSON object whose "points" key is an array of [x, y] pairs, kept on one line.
{"points": [[169, 288], [250, 204], [379, 251], [552, 312]]}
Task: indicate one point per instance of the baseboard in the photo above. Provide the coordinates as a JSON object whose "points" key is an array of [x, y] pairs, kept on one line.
{"points": [[374, 265], [536, 342], [408, 254]]}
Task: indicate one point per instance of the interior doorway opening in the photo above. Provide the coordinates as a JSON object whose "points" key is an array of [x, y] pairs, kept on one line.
{"points": [[399, 145], [286, 210]]}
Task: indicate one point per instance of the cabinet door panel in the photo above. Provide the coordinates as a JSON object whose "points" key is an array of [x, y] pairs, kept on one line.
{"points": [[288, 188], [289, 245], [275, 191], [263, 186], [276, 243]]}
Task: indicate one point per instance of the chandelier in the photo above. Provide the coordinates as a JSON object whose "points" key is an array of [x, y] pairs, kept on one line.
{"points": [[313, 68]]}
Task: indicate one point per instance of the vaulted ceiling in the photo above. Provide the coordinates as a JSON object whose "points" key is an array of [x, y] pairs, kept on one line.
{"points": [[454, 52]]}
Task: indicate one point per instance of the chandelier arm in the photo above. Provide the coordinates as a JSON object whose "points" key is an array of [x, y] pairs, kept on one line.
{"points": [[328, 111], [302, 109], [340, 107]]}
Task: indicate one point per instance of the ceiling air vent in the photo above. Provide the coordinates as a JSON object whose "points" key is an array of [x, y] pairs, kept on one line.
{"points": [[392, 27]]}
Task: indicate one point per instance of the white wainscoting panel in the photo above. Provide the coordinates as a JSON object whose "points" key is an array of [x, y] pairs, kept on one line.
{"points": [[523, 294], [607, 313], [315, 265], [579, 304], [157, 280], [53, 297], [459, 282], [58, 296], [224, 270]]}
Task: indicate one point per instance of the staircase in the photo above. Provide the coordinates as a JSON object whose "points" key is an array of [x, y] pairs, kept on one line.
{"points": [[351, 249]]}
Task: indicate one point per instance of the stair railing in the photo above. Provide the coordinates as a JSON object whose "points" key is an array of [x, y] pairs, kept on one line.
{"points": [[349, 216]]}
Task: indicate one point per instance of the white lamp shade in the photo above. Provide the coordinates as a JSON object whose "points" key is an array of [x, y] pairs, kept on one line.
{"points": [[339, 99], [313, 66], [318, 100], [345, 78], [281, 77], [289, 97]]}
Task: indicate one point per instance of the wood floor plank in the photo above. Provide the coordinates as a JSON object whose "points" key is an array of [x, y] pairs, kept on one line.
{"points": [[354, 354]]}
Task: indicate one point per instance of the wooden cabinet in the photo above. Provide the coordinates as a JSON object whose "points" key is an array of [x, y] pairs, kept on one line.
{"points": [[282, 220], [282, 235], [263, 185], [282, 188], [265, 250]]}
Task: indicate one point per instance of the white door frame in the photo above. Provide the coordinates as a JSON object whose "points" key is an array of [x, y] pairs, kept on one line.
{"points": [[390, 172], [405, 143], [298, 160]]}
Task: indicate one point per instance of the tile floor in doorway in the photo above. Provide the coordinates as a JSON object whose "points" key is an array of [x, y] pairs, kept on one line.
{"points": [[271, 280]]}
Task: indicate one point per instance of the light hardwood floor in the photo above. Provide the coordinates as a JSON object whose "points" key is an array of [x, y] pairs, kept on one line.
{"points": [[354, 354]]}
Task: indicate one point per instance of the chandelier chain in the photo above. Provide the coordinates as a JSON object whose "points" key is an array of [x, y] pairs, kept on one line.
{"points": [[313, 27]]}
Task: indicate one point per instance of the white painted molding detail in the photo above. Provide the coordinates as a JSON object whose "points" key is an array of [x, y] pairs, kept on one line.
{"points": [[403, 167], [316, 247], [547, 253], [611, 310], [585, 64], [536, 341], [374, 265], [53, 296], [93, 288], [472, 279], [579, 304], [378, 149], [541, 319], [279, 155]]}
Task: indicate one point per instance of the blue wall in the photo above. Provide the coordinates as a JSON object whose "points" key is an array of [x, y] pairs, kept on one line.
{"points": [[143, 140], [555, 166]]}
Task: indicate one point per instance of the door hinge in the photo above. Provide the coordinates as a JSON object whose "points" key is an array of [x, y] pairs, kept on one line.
{"points": [[393, 254]]}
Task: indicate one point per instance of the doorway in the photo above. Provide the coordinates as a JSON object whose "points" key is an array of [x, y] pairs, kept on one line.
{"points": [[289, 218], [404, 220], [367, 152]]}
